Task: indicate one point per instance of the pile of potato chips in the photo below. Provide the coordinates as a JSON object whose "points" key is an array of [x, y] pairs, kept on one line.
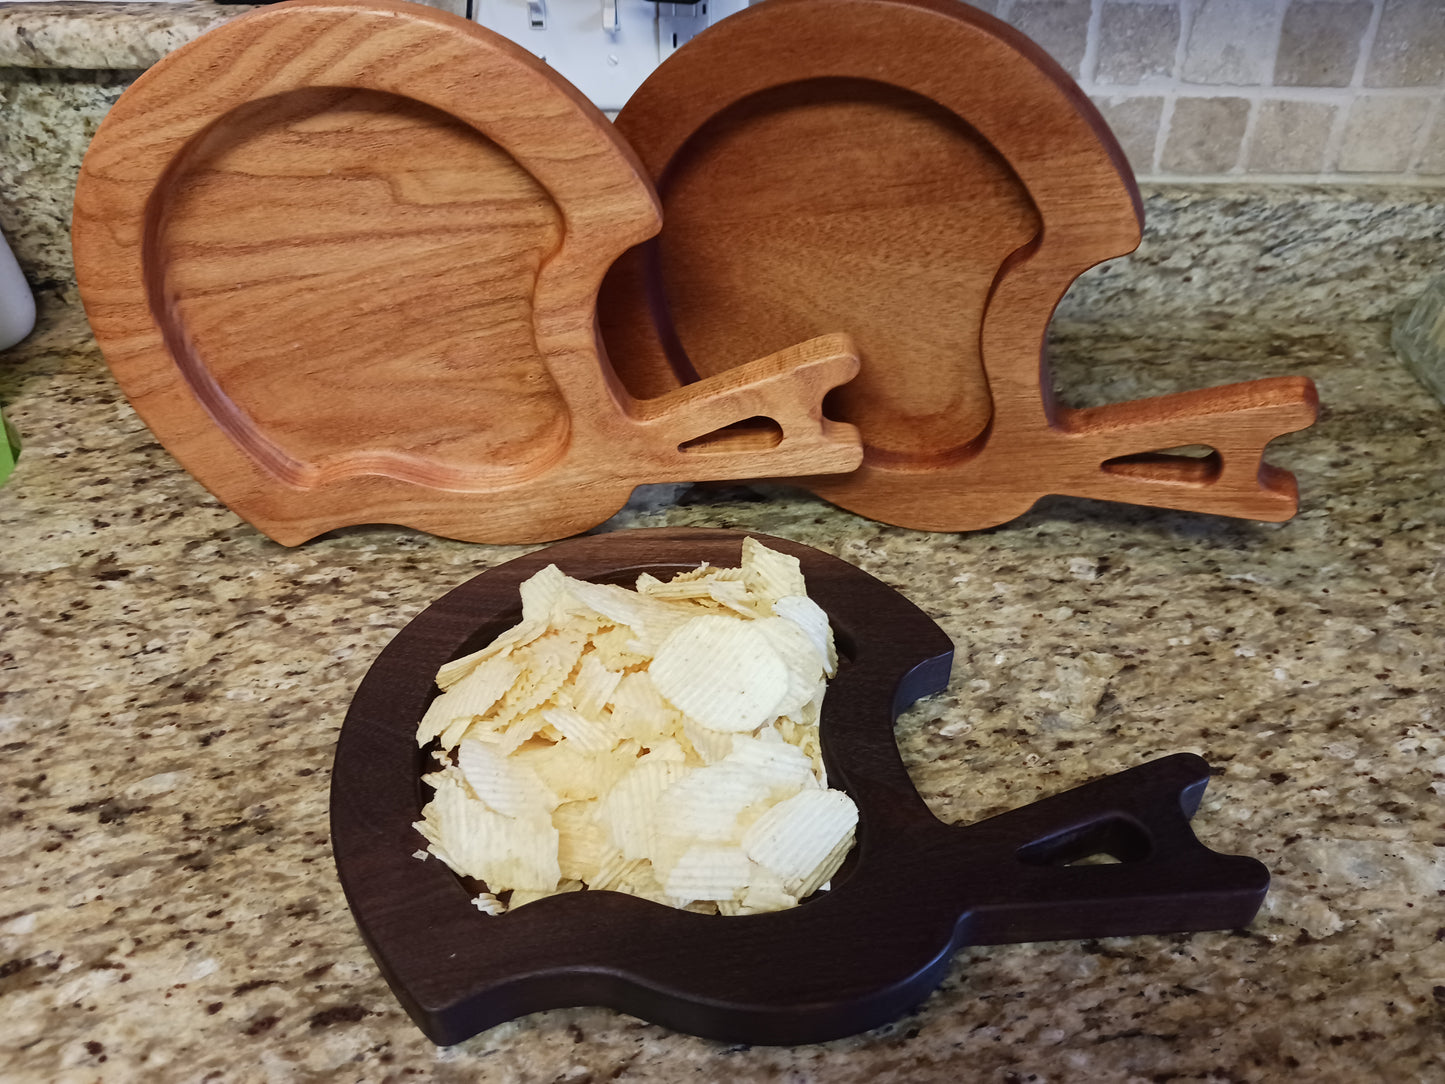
{"points": [[661, 742]]}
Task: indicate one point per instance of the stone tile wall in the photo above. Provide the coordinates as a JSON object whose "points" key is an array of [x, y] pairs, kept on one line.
{"points": [[1258, 90]]}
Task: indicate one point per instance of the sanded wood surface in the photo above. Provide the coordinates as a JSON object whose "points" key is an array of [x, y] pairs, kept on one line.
{"points": [[920, 175], [913, 890], [343, 259]]}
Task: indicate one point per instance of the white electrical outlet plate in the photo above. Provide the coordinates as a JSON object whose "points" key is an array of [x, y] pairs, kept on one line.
{"points": [[605, 48]]}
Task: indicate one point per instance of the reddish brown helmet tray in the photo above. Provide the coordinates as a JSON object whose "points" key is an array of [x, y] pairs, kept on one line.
{"points": [[922, 176], [914, 890]]}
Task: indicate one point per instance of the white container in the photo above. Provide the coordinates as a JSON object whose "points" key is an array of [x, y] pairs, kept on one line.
{"points": [[17, 303]]}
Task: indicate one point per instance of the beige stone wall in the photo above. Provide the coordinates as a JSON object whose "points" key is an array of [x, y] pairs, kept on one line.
{"points": [[1292, 90]]}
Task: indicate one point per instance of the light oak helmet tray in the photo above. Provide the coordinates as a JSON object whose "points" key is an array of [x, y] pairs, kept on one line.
{"points": [[921, 175], [343, 258]]}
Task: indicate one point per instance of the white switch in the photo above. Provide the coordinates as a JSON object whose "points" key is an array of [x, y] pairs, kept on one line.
{"points": [[677, 24], [605, 57]]}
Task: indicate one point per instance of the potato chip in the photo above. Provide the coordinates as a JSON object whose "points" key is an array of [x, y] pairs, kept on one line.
{"points": [[617, 648], [809, 616], [826, 868], [541, 593], [661, 742], [488, 904], [638, 709], [770, 574], [554, 656], [522, 896], [469, 697], [706, 872], [710, 745], [765, 892], [616, 870], [519, 635], [649, 619], [592, 685], [589, 735], [504, 783], [702, 571], [723, 672], [546, 663], [784, 769], [795, 836], [519, 731], [801, 730], [804, 664], [629, 811], [661, 622], [734, 595], [704, 804], [640, 879], [456, 730], [676, 590], [667, 749], [571, 773], [482, 843], [582, 845]]}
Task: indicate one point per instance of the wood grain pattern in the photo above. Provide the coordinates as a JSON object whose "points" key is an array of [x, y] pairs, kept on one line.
{"points": [[913, 891], [343, 258], [922, 176]]}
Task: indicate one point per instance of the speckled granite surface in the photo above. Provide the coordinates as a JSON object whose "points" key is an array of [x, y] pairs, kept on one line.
{"points": [[1269, 254], [173, 686], [50, 117], [68, 35]]}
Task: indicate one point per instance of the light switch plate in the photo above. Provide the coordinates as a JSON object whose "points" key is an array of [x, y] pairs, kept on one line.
{"points": [[605, 48]]}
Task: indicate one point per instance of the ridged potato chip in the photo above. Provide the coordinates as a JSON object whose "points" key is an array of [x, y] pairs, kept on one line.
{"points": [[723, 672], [796, 836], [571, 773], [504, 784], [704, 805], [661, 742], [804, 664], [809, 616], [770, 574], [710, 745], [482, 843], [628, 813], [589, 735], [593, 685], [784, 768], [582, 845], [488, 904], [706, 872], [616, 871], [542, 592], [469, 697]]}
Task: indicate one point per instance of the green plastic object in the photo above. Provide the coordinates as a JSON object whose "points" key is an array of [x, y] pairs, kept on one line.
{"points": [[9, 449]]}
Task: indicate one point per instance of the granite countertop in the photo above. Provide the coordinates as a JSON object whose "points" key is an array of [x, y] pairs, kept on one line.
{"points": [[174, 683], [103, 35]]}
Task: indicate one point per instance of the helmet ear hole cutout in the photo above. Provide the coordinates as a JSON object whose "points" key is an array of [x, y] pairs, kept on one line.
{"points": [[923, 177]]}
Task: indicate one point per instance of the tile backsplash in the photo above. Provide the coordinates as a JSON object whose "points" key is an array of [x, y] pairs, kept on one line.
{"points": [[1258, 90]]}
